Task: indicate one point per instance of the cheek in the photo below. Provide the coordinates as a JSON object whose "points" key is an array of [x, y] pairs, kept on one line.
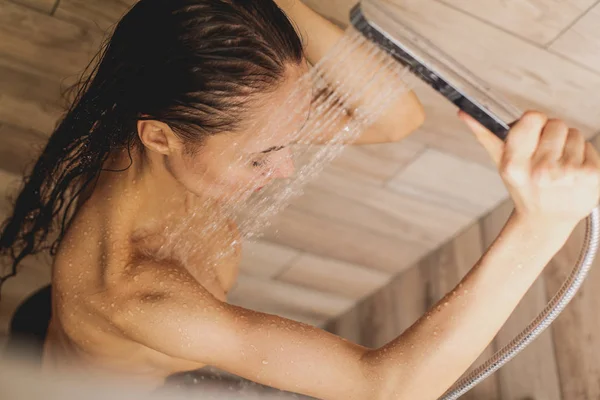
{"points": [[191, 174], [214, 177]]}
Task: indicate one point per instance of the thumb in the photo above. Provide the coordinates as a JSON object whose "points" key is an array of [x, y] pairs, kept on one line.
{"points": [[492, 143]]}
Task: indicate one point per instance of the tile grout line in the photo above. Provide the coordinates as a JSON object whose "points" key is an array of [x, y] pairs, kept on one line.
{"points": [[526, 40], [286, 267], [27, 6], [55, 7], [386, 183], [571, 25], [492, 24], [571, 61]]}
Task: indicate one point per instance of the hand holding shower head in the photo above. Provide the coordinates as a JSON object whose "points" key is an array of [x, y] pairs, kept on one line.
{"points": [[459, 86]]}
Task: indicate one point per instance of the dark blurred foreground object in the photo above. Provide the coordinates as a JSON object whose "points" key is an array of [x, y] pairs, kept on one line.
{"points": [[29, 325]]}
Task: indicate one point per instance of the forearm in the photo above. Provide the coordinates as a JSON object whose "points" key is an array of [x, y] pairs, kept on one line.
{"points": [[349, 81], [318, 33], [430, 356]]}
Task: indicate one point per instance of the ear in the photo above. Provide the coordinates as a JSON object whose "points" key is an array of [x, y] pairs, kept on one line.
{"points": [[157, 136]]}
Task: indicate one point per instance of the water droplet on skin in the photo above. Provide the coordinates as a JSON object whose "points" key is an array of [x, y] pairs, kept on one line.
{"points": [[446, 304], [265, 362]]}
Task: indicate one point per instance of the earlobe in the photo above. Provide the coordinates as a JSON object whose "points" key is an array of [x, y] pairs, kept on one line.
{"points": [[156, 136]]}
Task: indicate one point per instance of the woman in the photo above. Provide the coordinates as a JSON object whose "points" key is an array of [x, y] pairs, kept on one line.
{"points": [[180, 81]]}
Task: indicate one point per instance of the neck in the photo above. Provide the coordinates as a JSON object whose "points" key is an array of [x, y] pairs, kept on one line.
{"points": [[148, 200]]}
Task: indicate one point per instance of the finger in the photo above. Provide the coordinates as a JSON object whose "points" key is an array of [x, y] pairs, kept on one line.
{"points": [[574, 151], [552, 141], [524, 137], [492, 143]]}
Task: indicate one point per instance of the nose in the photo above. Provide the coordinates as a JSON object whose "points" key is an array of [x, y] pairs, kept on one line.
{"points": [[284, 164]]}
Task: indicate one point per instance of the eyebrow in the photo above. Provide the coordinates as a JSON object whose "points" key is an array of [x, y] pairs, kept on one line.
{"points": [[274, 148], [277, 148]]}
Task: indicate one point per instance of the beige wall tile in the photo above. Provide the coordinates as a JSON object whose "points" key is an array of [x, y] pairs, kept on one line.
{"points": [[45, 6], [328, 238], [265, 260], [537, 20], [283, 298], [581, 43], [449, 182], [331, 276], [32, 39], [408, 217]]}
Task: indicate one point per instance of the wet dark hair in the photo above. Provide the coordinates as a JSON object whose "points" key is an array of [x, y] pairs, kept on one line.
{"points": [[192, 64]]}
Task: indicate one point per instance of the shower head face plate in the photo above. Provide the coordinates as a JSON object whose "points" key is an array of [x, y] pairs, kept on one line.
{"points": [[381, 22]]}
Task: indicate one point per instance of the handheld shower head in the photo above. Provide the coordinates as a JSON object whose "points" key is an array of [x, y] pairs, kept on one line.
{"points": [[381, 25]]}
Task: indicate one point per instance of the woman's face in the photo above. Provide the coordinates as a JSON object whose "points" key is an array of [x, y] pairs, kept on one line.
{"points": [[230, 167]]}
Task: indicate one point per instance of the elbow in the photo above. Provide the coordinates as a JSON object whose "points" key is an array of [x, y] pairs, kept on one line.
{"points": [[381, 379], [413, 115], [389, 376], [419, 115], [403, 119]]}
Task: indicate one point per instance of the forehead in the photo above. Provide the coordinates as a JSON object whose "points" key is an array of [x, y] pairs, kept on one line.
{"points": [[276, 118], [281, 114]]}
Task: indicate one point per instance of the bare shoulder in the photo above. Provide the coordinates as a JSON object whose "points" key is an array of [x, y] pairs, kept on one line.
{"points": [[167, 311]]}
